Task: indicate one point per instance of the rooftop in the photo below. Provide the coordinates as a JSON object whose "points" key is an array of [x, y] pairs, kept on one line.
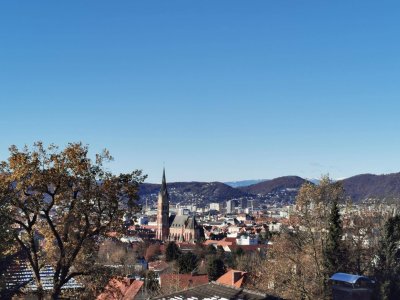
{"points": [[121, 288], [232, 278], [182, 281], [348, 278], [215, 291]]}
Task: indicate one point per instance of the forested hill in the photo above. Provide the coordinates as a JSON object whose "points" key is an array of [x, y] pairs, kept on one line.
{"points": [[270, 186], [209, 191], [360, 187], [365, 186]]}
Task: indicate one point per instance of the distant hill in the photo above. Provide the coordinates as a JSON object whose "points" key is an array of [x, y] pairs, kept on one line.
{"points": [[241, 183], [274, 185], [359, 187], [190, 191], [373, 186]]}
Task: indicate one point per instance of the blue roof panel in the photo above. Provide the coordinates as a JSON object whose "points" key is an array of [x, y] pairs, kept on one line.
{"points": [[344, 277]]}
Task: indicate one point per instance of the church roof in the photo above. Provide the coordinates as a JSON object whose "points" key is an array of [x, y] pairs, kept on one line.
{"points": [[179, 221], [184, 221]]}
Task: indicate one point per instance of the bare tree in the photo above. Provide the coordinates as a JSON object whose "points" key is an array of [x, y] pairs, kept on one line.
{"points": [[295, 267]]}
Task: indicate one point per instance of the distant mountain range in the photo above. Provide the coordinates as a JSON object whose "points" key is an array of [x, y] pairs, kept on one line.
{"points": [[241, 183], [358, 187]]}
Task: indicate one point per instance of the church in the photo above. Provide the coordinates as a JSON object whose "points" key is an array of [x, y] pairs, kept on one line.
{"points": [[182, 228]]}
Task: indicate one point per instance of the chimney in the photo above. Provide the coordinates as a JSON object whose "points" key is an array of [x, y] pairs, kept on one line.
{"points": [[236, 276]]}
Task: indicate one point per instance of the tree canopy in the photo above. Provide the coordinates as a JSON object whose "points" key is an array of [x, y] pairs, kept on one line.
{"points": [[388, 267], [301, 272], [66, 201], [215, 268], [187, 262], [172, 251]]}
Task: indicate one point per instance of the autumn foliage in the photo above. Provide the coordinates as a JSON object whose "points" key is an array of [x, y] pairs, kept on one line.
{"points": [[60, 202]]}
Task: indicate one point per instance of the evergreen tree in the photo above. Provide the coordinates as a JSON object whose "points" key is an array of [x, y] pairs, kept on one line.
{"points": [[211, 250], [333, 252], [187, 262], [215, 268], [388, 268], [172, 252], [220, 252], [239, 251]]}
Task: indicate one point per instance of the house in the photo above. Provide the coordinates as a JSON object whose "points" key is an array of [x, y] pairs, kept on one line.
{"points": [[159, 266], [233, 278], [247, 240], [187, 247], [123, 289], [224, 242], [141, 264], [179, 282]]}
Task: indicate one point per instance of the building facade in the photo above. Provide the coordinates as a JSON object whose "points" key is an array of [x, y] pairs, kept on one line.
{"points": [[182, 228]]}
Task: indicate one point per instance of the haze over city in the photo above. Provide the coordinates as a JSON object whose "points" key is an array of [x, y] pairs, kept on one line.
{"points": [[215, 91]]}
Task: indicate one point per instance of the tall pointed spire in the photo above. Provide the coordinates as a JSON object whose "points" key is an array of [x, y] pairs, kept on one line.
{"points": [[163, 189]]}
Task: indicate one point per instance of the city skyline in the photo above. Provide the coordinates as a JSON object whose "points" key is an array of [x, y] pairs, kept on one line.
{"points": [[221, 91]]}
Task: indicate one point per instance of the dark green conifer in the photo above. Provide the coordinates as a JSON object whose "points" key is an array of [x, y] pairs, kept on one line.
{"points": [[215, 268], [388, 267], [172, 251], [187, 262], [334, 251]]}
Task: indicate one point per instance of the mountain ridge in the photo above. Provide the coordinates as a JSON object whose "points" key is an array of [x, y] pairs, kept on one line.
{"points": [[273, 185], [358, 188], [363, 186]]}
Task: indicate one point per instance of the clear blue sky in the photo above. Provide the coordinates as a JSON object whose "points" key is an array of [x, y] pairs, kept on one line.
{"points": [[218, 90]]}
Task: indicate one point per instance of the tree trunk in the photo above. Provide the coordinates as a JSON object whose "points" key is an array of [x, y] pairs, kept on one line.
{"points": [[40, 292], [56, 292]]}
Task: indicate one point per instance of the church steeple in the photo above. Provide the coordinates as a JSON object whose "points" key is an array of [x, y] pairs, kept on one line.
{"points": [[163, 189], [163, 211]]}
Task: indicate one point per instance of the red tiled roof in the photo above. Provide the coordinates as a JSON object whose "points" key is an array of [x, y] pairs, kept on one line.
{"points": [[121, 288], [232, 240], [184, 281], [152, 227], [229, 278], [158, 265], [223, 242], [112, 234]]}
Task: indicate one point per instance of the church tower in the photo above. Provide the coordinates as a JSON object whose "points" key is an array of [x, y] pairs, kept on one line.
{"points": [[163, 211]]}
